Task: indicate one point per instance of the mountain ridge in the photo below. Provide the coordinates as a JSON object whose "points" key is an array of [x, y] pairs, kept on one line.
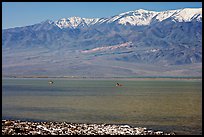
{"points": [[170, 45], [180, 15]]}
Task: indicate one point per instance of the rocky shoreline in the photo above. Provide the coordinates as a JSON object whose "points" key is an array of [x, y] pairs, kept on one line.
{"points": [[17, 127]]}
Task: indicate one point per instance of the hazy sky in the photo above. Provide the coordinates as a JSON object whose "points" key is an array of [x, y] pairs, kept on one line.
{"points": [[16, 14]]}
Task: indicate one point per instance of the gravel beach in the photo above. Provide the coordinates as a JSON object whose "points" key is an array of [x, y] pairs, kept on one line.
{"points": [[17, 127]]}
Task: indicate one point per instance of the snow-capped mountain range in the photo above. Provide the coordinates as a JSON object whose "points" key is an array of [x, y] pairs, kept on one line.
{"points": [[134, 43], [138, 17]]}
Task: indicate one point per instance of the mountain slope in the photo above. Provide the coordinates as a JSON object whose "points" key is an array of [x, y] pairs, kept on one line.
{"points": [[134, 43]]}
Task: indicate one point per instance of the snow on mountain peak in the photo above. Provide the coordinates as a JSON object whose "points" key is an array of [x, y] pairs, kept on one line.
{"points": [[181, 15], [165, 14], [74, 22], [145, 11], [144, 17], [138, 17], [188, 14]]}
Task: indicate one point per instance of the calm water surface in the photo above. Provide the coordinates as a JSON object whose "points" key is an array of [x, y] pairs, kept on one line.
{"points": [[169, 105]]}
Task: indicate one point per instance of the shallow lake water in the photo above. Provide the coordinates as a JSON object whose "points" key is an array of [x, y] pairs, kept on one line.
{"points": [[169, 105]]}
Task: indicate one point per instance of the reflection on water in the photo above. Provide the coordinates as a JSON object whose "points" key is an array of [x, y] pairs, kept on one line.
{"points": [[169, 105]]}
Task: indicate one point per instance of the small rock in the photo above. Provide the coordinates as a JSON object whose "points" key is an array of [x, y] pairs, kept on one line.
{"points": [[8, 123]]}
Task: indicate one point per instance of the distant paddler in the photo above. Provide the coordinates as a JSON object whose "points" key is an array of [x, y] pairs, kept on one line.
{"points": [[50, 82], [118, 85]]}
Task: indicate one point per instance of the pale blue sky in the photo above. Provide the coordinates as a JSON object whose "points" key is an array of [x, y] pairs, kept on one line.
{"points": [[16, 14]]}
